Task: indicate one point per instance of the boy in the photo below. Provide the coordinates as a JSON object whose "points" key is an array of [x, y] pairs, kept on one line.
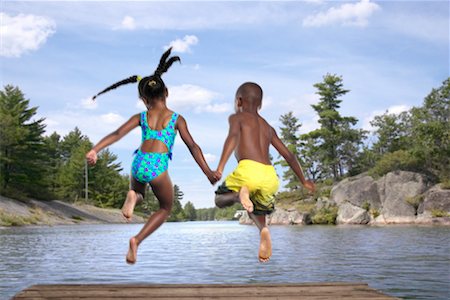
{"points": [[254, 182]]}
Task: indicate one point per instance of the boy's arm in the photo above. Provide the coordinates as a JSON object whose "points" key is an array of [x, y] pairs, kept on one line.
{"points": [[195, 150], [230, 142], [291, 160], [113, 137]]}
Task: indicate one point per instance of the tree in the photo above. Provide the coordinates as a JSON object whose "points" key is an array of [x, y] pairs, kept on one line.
{"points": [[177, 210], [21, 144], [335, 139], [430, 131], [289, 136], [71, 175], [189, 211], [392, 131]]}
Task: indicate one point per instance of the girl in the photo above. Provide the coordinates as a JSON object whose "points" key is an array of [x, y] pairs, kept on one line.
{"points": [[159, 127]]}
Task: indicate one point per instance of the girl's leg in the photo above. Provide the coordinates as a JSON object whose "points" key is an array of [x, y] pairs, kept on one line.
{"points": [[134, 196], [265, 243], [163, 190]]}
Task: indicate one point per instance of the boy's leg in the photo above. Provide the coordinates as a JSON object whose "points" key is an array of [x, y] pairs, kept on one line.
{"points": [[265, 243], [134, 196], [163, 190], [228, 199]]}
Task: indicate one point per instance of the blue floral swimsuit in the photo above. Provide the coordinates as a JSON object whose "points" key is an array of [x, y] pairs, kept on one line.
{"points": [[147, 166]]}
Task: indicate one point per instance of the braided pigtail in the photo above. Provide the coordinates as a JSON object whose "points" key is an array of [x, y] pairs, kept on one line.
{"points": [[165, 64], [131, 79]]}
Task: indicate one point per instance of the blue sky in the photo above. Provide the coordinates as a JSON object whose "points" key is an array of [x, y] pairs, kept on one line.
{"points": [[390, 55]]}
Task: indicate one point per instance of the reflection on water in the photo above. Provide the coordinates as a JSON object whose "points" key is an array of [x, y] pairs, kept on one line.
{"points": [[404, 261]]}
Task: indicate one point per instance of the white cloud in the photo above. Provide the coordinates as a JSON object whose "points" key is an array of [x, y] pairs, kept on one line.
{"points": [[395, 109], [112, 118], [210, 158], [23, 33], [183, 45], [128, 23], [352, 14], [192, 97], [89, 103]]}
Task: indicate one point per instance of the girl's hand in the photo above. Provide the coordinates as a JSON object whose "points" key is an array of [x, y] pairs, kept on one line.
{"points": [[91, 157], [213, 177]]}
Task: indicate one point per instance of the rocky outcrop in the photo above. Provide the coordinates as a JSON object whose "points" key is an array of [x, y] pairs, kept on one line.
{"points": [[281, 217], [397, 198]]}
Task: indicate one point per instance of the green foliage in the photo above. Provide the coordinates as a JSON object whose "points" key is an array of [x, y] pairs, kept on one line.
{"points": [[21, 145], [326, 215], [16, 220], [227, 213], [374, 212], [414, 201], [366, 206], [445, 184], [439, 213], [177, 213], [398, 160], [289, 136], [189, 211], [335, 143]]}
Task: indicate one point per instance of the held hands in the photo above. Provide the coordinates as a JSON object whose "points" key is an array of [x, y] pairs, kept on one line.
{"points": [[91, 157], [214, 176]]}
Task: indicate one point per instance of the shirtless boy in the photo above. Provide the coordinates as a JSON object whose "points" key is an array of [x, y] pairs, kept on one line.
{"points": [[254, 182]]}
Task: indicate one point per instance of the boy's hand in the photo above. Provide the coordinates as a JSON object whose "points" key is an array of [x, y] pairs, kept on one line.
{"points": [[310, 186], [91, 157], [213, 177]]}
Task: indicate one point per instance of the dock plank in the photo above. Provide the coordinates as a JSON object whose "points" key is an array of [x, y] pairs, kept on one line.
{"points": [[307, 291]]}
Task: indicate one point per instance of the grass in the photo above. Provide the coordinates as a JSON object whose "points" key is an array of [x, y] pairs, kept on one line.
{"points": [[325, 215], [7, 219], [439, 213]]}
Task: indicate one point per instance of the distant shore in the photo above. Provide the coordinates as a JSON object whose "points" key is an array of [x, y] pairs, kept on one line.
{"points": [[55, 212]]}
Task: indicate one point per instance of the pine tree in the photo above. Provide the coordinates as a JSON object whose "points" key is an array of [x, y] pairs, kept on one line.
{"points": [[289, 136], [189, 211], [21, 145]]}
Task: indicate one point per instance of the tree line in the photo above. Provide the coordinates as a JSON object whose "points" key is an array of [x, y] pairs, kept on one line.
{"points": [[35, 165]]}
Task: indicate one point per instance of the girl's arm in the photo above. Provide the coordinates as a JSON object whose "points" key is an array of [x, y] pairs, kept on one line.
{"points": [[195, 149], [230, 142], [113, 137], [291, 160]]}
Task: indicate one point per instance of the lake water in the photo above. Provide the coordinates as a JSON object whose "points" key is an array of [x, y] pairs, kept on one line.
{"points": [[410, 262]]}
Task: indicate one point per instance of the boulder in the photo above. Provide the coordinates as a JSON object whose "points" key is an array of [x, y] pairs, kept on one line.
{"points": [[395, 190], [360, 191], [281, 217], [351, 214], [435, 199]]}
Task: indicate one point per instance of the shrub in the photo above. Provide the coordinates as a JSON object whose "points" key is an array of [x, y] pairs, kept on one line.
{"points": [[398, 160], [374, 212], [325, 215], [439, 213], [366, 206]]}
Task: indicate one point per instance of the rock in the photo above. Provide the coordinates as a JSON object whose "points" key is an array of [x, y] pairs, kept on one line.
{"points": [[351, 214], [324, 203], [360, 191], [435, 199], [395, 189], [281, 217]]}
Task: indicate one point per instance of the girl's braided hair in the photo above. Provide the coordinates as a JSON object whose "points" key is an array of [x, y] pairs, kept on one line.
{"points": [[152, 86]]}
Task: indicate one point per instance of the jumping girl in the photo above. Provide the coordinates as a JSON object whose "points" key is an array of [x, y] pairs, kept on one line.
{"points": [[159, 126]]}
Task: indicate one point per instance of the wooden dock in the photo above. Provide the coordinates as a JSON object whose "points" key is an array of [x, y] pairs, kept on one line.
{"points": [[307, 291]]}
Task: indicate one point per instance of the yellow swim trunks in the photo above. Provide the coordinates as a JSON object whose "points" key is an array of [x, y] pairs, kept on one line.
{"points": [[261, 180]]}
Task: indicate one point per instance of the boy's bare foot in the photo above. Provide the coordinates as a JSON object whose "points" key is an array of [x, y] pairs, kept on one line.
{"points": [[129, 204], [265, 245], [244, 197], [132, 251]]}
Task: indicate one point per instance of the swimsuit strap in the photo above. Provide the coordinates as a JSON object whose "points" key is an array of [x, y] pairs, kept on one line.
{"points": [[166, 135]]}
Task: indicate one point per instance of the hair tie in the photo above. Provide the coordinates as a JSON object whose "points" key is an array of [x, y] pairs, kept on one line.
{"points": [[138, 78], [152, 83]]}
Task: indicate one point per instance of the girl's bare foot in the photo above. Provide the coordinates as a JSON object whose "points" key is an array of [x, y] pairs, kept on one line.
{"points": [[244, 197], [132, 251], [265, 245], [129, 204]]}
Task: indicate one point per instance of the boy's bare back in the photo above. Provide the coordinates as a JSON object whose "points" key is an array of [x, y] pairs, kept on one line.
{"points": [[255, 136]]}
